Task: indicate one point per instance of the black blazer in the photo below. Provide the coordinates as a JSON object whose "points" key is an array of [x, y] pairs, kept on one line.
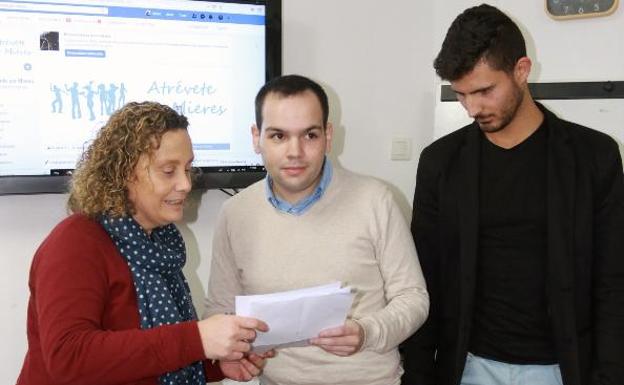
{"points": [[585, 269]]}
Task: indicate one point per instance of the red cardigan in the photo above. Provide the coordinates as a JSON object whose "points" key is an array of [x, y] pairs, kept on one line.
{"points": [[83, 322]]}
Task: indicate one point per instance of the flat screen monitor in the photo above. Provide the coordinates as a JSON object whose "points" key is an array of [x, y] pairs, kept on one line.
{"points": [[67, 65]]}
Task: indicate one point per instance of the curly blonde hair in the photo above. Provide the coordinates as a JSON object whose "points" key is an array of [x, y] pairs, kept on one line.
{"points": [[99, 183]]}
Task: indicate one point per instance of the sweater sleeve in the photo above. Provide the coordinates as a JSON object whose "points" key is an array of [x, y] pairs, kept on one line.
{"points": [[404, 286], [212, 371], [73, 291], [224, 283]]}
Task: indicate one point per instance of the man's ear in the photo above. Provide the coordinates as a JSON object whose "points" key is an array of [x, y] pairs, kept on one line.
{"points": [[255, 133], [522, 70], [329, 134]]}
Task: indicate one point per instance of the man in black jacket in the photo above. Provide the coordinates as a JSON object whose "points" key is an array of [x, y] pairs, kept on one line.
{"points": [[519, 225]]}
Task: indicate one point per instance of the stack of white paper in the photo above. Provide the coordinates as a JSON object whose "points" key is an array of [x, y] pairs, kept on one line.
{"points": [[297, 315]]}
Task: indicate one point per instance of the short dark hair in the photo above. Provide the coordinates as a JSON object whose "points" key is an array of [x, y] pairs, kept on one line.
{"points": [[481, 32], [289, 85]]}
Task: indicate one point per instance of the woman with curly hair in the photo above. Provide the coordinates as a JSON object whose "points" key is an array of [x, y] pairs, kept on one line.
{"points": [[109, 303]]}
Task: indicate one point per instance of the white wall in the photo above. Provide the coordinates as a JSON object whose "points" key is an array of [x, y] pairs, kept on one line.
{"points": [[376, 66], [375, 60]]}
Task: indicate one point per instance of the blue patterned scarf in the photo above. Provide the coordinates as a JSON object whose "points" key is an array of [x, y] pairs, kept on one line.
{"points": [[162, 292]]}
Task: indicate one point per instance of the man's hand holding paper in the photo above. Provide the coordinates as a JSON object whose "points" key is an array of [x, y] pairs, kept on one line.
{"points": [[294, 317], [343, 341]]}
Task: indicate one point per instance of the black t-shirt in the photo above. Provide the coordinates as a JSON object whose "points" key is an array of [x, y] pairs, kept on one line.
{"points": [[510, 321]]}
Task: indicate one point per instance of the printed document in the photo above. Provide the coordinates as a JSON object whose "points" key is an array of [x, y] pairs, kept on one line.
{"points": [[295, 316]]}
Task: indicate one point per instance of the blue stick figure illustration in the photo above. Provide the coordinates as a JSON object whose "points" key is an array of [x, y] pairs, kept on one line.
{"points": [[57, 103], [89, 94], [112, 98], [122, 95], [103, 98], [75, 100]]}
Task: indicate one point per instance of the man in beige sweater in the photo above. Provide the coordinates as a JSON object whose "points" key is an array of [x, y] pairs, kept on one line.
{"points": [[309, 223]]}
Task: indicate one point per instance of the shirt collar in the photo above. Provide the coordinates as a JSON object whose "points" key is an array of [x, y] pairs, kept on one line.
{"points": [[304, 204]]}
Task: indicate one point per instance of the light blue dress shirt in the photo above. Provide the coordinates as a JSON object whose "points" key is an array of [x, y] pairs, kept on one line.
{"points": [[304, 204]]}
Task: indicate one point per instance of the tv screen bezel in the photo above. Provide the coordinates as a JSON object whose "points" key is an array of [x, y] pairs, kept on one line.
{"points": [[224, 177]]}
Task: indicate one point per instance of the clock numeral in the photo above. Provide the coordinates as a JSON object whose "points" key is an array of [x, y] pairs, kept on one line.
{"points": [[566, 9]]}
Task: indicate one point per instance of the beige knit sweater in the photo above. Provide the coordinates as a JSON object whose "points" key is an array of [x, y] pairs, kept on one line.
{"points": [[354, 234]]}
